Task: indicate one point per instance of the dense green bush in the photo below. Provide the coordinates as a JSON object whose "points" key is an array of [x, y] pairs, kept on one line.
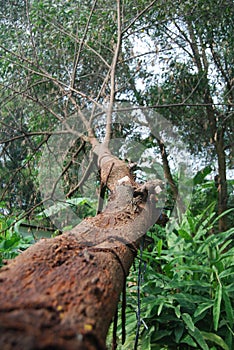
{"points": [[11, 242], [187, 288]]}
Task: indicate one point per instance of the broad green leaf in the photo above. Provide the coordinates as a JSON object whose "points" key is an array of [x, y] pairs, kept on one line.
{"points": [[178, 333], [184, 234], [227, 273], [215, 339], [200, 176], [225, 245], [146, 339], [202, 307], [188, 340], [187, 300], [161, 334], [198, 337], [159, 247], [188, 321], [192, 223], [221, 215], [216, 307], [177, 311], [10, 243], [54, 209], [130, 323], [160, 308], [228, 307]]}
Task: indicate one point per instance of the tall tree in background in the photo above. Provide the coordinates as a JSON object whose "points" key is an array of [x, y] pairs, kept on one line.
{"points": [[194, 41]]}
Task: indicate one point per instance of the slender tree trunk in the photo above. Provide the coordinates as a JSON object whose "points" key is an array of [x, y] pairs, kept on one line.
{"points": [[222, 185], [217, 138], [164, 155], [62, 293], [216, 131]]}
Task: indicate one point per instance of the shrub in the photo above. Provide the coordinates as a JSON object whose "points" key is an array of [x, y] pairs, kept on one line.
{"points": [[187, 292]]}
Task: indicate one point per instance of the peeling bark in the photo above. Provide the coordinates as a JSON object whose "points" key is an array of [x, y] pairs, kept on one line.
{"points": [[62, 293]]}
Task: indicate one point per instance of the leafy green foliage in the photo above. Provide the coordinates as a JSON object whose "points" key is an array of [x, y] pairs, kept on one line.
{"points": [[14, 238], [11, 242], [205, 193], [82, 207], [75, 202], [187, 292]]}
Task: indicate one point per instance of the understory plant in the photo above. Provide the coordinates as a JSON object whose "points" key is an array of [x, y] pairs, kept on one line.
{"points": [[186, 297], [12, 243]]}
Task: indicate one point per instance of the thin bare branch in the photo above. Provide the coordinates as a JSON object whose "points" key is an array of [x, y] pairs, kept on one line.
{"points": [[219, 65], [195, 88], [138, 16], [11, 97], [66, 168], [6, 188], [62, 120], [82, 180], [112, 76], [43, 73], [35, 133], [171, 35], [77, 56], [26, 214], [30, 32], [132, 108], [194, 47], [70, 35]]}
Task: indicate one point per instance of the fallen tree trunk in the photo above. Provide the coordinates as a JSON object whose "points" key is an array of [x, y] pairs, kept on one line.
{"points": [[62, 293]]}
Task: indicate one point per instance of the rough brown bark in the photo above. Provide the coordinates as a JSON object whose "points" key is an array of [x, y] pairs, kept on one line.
{"points": [[62, 293]]}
